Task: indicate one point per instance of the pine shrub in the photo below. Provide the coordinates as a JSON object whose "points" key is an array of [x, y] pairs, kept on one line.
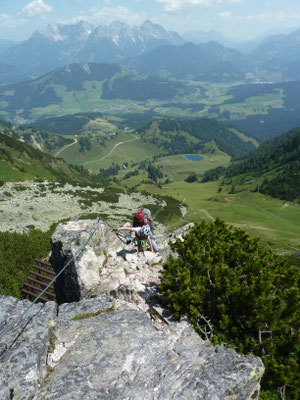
{"points": [[17, 254], [236, 292]]}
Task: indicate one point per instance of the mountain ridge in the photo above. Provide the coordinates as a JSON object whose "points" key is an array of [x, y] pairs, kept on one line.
{"points": [[208, 61], [20, 161], [60, 44], [274, 166], [191, 136], [85, 82]]}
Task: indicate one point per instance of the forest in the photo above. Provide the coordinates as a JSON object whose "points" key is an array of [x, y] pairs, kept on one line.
{"points": [[140, 89], [234, 291], [189, 136], [275, 162]]}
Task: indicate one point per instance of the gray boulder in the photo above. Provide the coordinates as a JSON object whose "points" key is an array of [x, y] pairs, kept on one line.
{"points": [[119, 354], [108, 339], [24, 348]]}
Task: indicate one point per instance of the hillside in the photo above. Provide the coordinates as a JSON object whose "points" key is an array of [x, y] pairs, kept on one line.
{"points": [[81, 87], [278, 55], [10, 74], [41, 140], [204, 62], [191, 136], [20, 161], [94, 121], [274, 166], [61, 44], [266, 109]]}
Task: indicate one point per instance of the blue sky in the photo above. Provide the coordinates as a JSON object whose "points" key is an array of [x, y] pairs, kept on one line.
{"points": [[238, 19]]}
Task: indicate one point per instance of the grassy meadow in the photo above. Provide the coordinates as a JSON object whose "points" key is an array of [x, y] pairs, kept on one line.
{"points": [[202, 99], [276, 222], [178, 167], [121, 148]]}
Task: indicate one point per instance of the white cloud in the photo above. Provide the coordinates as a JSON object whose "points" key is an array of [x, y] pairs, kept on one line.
{"points": [[34, 9], [173, 5], [225, 15], [106, 15], [7, 22], [279, 16]]}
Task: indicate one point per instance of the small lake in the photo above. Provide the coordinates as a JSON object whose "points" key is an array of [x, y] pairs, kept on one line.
{"points": [[193, 157]]}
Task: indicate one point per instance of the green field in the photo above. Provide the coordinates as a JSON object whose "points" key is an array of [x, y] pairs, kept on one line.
{"points": [[202, 99], [121, 148], [178, 167], [276, 222]]}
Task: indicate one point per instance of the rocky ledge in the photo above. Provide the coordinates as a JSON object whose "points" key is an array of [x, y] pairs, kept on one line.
{"points": [[114, 342]]}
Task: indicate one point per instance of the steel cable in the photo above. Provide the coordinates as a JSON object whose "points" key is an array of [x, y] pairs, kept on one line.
{"points": [[10, 326]]}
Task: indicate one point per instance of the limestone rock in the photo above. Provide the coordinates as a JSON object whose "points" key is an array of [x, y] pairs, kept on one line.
{"points": [[108, 345], [120, 355], [23, 356], [82, 274], [102, 266]]}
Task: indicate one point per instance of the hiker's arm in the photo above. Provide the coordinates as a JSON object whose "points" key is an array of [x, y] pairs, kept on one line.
{"points": [[124, 228], [150, 244]]}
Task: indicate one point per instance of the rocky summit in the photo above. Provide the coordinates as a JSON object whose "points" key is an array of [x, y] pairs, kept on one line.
{"points": [[107, 338]]}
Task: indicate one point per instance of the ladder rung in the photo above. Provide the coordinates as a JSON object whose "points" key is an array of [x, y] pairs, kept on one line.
{"points": [[40, 275], [43, 262], [44, 284], [44, 270], [39, 290], [34, 295]]}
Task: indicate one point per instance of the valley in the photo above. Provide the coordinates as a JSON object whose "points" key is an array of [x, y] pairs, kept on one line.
{"points": [[114, 134], [260, 110], [100, 121], [124, 158]]}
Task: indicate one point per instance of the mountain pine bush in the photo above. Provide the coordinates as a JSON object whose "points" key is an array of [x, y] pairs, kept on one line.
{"points": [[236, 292], [17, 254]]}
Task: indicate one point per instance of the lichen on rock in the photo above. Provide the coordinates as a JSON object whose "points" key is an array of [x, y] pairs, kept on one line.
{"points": [[104, 342]]}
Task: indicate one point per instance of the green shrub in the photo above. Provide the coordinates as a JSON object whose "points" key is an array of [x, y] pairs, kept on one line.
{"points": [[164, 213], [233, 290], [191, 178], [17, 254]]}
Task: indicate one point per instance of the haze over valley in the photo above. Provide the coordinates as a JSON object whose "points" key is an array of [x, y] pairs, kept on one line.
{"points": [[100, 97], [187, 108]]}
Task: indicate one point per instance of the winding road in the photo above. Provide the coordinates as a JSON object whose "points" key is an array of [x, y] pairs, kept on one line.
{"points": [[64, 148], [112, 150]]}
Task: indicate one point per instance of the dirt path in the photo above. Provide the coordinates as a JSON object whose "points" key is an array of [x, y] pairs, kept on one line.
{"points": [[205, 212], [258, 227], [64, 148], [262, 228], [112, 150]]}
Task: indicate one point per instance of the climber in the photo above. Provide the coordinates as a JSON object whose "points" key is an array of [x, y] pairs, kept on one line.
{"points": [[148, 218], [139, 219], [142, 235], [143, 217]]}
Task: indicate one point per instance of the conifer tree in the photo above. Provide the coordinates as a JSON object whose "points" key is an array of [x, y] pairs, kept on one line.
{"points": [[236, 292]]}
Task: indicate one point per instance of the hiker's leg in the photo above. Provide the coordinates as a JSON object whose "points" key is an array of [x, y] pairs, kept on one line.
{"points": [[154, 245]]}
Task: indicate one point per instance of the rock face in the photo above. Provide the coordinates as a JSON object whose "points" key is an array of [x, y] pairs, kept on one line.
{"points": [[110, 344], [120, 355], [23, 356], [105, 265]]}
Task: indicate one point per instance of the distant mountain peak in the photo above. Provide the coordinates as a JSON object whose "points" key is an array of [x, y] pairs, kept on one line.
{"points": [[61, 32], [61, 44], [52, 32], [154, 29]]}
